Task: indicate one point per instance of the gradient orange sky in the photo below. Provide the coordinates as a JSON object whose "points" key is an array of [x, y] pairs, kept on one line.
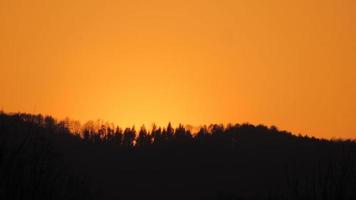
{"points": [[286, 63]]}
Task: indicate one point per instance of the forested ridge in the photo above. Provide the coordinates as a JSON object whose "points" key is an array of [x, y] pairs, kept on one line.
{"points": [[43, 158]]}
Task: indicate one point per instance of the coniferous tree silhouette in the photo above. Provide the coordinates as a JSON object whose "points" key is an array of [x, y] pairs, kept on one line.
{"points": [[42, 158], [143, 139], [129, 137]]}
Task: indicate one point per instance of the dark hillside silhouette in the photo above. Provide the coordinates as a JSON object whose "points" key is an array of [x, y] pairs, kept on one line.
{"points": [[41, 158]]}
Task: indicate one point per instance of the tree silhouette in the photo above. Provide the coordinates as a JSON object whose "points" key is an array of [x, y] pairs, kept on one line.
{"points": [[129, 137], [143, 139], [157, 135], [42, 158]]}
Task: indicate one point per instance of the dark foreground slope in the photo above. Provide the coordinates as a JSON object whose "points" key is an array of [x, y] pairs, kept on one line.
{"points": [[41, 159]]}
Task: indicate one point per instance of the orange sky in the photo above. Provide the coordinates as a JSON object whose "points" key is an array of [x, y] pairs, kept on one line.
{"points": [[287, 63]]}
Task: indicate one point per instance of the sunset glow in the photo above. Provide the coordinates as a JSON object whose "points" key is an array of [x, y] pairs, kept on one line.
{"points": [[286, 63]]}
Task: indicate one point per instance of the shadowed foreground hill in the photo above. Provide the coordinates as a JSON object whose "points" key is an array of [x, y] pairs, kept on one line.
{"points": [[41, 159]]}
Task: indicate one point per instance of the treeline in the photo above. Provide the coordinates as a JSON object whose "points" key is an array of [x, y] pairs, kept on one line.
{"points": [[100, 132], [30, 167], [42, 158]]}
